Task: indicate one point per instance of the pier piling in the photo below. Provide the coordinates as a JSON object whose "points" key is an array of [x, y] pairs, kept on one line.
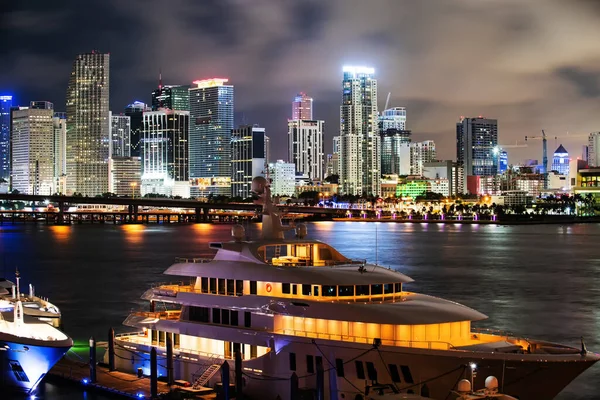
{"points": [[169, 339], [111, 349], [225, 380], [92, 360], [294, 387], [320, 382], [153, 374], [238, 376]]}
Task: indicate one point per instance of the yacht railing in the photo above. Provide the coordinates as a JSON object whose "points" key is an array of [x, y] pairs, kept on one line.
{"points": [[169, 315], [195, 260], [142, 339]]}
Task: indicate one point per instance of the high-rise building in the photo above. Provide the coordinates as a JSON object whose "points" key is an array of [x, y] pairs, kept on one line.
{"points": [[393, 118], [59, 146], [420, 153], [560, 161], [120, 136], [88, 125], [476, 139], [502, 161], [247, 158], [165, 151], [444, 170], [32, 155], [337, 143], [283, 178], [391, 151], [302, 107], [5, 106], [267, 151], [360, 161], [173, 97], [594, 149], [211, 123], [125, 176], [305, 147], [135, 111]]}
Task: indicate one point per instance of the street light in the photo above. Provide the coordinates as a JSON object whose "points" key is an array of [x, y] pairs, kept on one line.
{"points": [[133, 185]]}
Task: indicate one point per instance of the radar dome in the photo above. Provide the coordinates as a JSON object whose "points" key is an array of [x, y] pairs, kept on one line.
{"points": [[258, 184], [238, 232], [464, 386], [301, 231], [491, 383]]}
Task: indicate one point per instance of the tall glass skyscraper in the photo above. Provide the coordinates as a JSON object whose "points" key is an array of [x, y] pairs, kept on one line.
{"points": [[211, 122], [248, 156], [88, 124], [360, 162], [560, 161], [120, 136], [173, 97], [302, 107], [476, 141], [393, 118], [135, 111], [5, 105]]}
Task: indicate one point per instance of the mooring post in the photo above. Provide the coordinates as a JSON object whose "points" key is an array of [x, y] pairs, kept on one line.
{"points": [[225, 380], [111, 349], [169, 338], [238, 376], [92, 360], [320, 382], [153, 374], [294, 387]]}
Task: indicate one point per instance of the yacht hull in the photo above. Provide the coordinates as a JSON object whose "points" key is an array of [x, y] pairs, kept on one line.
{"points": [[430, 373]]}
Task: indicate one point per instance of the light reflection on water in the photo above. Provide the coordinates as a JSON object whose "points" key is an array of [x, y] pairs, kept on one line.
{"points": [[539, 281]]}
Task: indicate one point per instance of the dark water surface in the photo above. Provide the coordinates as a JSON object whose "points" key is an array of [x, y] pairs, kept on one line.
{"points": [[539, 281]]}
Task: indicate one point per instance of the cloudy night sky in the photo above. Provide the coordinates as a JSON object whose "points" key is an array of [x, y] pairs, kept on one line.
{"points": [[531, 64]]}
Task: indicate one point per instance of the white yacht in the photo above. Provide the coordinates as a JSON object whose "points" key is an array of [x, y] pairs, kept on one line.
{"points": [[298, 305]]}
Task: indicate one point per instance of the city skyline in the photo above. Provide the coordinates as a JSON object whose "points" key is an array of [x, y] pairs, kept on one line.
{"points": [[418, 68]]}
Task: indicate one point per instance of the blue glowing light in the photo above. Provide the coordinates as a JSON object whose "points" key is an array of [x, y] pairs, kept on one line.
{"points": [[85, 381], [140, 395]]}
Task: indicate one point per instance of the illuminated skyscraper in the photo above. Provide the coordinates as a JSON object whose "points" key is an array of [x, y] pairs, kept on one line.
{"points": [[60, 151], [476, 139], [360, 162], [120, 136], [88, 125], [560, 161], [135, 111], [393, 118], [211, 122], [594, 149], [32, 156], [392, 151], [5, 105], [173, 97], [302, 107], [247, 158], [305, 147]]}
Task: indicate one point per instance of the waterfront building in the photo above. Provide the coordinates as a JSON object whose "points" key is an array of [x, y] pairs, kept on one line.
{"points": [[5, 106], [392, 151], [560, 161], [59, 146], [125, 176], [512, 198], [476, 139], [120, 136], [420, 153], [393, 118], [557, 182], [32, 145], [412, 188], [325, 190], [360, 158], [443, 170], [594, 149], [165, 151], [585, 153], [211, 123], [302, 107], [337, 142], [248, 154], [135, 112], [283, 178], [335, 160], [332, 165], [173, 97], [502, 161], [305, 147], [88, 125]]}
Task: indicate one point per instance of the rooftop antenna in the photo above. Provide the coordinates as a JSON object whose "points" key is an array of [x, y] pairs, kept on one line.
{"points": [[159, 78]]}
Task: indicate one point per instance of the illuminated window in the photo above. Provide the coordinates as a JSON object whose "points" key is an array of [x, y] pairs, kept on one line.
{"points": [[329, 290], [346, 290], [362, 290]]}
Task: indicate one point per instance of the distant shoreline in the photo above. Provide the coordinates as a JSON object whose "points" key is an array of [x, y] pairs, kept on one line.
{"points": [[521, 220]]}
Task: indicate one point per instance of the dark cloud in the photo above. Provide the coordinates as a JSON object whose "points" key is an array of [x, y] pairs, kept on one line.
{"points": [[309, 17], [586, 83]]}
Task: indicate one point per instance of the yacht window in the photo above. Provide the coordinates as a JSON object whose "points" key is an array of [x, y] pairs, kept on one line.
{"points": [[345, 290], [325, 253], [213, 285], [221, 284], [397, 287], [388, 288], [362, 290], [376, 289], [154, 336], [234, 318], [394, 373], [239, 288], [407, 375], [339, 367], [176, 339], [225, 314], [319, 362], [216, 316], [371, 371], [329, 290], [247, 319], [316, 291], [294, 289], [204, 285], [230, 287], [253, 287], [253, 351], [285, 288], [310, 366], [199, 314], [292, 361], [360, 370], [306, 290]]}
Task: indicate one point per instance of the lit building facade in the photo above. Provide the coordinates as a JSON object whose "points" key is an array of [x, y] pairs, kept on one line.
{"points": [[173, 97], [248, 155], [165, 151], [283, 178], [302, 107], [393, 118], [392, 141], [211, 123], [5, 106], [476, 139], [305, 147], [502, 161], [360, 161], [560, 161], [420, 153], [32, 156], [59, 146], [88, 125], [135, 112], [125, 176], [594, 149], [120, 136], [444, 170]]}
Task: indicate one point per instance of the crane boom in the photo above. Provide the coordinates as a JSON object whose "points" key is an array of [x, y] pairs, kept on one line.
{"points": [[387, 101]]}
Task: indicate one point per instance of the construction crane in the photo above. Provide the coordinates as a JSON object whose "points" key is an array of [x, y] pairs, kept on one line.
{"points": [[512, 146], [544, 153], [387, 101]]}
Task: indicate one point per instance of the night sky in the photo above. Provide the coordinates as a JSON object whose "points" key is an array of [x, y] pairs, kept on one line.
{"points": [[531, 64]]}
